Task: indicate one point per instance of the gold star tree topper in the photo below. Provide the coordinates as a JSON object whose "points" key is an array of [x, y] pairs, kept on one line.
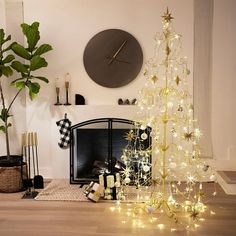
{"points": [[167, 16]]}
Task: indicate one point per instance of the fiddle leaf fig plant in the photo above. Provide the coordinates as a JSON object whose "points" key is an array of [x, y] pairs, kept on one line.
{"points": [[33, 60]]}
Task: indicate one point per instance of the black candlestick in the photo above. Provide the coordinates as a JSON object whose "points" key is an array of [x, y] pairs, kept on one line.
{"points": [[58, 97], [67, 94]]}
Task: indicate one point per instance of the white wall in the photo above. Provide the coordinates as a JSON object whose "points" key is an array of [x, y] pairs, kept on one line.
{"points": [[2, 14], [203, 26], [224, 81]]}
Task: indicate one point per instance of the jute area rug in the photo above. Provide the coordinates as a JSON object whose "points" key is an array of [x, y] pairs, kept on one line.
{"points": [[62, 190]]}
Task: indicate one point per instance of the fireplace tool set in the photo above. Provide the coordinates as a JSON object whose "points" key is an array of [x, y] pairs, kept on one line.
{"points": [[30, 154]]}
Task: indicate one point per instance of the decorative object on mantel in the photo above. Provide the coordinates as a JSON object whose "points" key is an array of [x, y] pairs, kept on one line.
{"points": [[120, 101], [170, 168], [58, 103], [134, 101], [67, 85], [127, 101], [64, 129], [113, 58], [33, 60], [79, 99]]}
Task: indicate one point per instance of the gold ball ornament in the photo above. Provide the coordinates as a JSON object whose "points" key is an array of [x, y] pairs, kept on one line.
{"points": [[144, 136]]}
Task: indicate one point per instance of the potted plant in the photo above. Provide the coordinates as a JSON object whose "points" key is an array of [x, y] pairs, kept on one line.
{"points": [[33, 60]]}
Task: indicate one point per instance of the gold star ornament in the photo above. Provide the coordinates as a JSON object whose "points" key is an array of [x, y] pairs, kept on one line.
{"points": [[177, 80], [188, 136], [167, 16], [154, 79], [129, 136], [194, 214]]}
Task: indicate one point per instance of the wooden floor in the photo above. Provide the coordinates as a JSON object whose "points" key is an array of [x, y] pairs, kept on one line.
{"points": [[29, 217]]}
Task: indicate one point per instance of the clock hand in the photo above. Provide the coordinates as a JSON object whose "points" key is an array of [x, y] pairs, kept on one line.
{"points": [[117, 52], [118, 60]]}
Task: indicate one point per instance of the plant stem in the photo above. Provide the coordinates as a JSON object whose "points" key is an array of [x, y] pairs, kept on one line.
{"points": [[13, 100], [5, 123]]}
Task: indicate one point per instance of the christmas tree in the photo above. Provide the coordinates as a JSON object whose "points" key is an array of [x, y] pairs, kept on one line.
{"points": [[162, 156]]}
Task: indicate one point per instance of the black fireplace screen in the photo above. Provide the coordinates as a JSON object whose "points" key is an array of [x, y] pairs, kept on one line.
{"points": [[96, 148]]}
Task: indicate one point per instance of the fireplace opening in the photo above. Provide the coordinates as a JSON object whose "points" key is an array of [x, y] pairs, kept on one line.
{"points": [[96, 148]]}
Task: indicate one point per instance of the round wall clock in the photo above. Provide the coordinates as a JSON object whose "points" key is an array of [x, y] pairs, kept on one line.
{"points": [[113, 58]]}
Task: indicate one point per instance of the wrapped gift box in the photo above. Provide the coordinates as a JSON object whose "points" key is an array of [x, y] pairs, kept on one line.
{"points": [[93, 191], [111, 185]]}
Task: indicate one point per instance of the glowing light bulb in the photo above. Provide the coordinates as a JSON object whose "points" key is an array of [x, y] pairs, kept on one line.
{"points": [[170, 104], [213, 178], [161, 226], [127, 180], [143, 127], [146, 168], [172, 165]]}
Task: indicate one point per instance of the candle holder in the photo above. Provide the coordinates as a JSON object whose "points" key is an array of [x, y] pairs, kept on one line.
{"points": [[67, 93], [58, 97]]}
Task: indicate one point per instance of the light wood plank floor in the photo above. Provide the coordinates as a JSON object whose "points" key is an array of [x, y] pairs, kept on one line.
{"points": [[29, 217]]}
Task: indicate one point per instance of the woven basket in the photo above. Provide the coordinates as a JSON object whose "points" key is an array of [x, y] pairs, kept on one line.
{"points": [[11, 179]]}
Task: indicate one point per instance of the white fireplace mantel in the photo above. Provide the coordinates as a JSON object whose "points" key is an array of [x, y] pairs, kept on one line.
{"points": [[80, 113]]}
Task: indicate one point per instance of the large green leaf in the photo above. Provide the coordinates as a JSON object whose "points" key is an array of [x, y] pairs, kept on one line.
{"points": [[32, 34], [6, 70], [33, 89], [18, 66], [21, 51], [43, 49], [42, 78], [8, 59], [2, 35], [37, 62], [20, 84], [3, 129]]}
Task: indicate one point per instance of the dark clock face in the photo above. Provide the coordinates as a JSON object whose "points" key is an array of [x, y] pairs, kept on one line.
{"points": [[113, 58]]}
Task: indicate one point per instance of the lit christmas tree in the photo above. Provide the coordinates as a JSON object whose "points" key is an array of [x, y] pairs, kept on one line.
{"points": [[162, 156]]}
